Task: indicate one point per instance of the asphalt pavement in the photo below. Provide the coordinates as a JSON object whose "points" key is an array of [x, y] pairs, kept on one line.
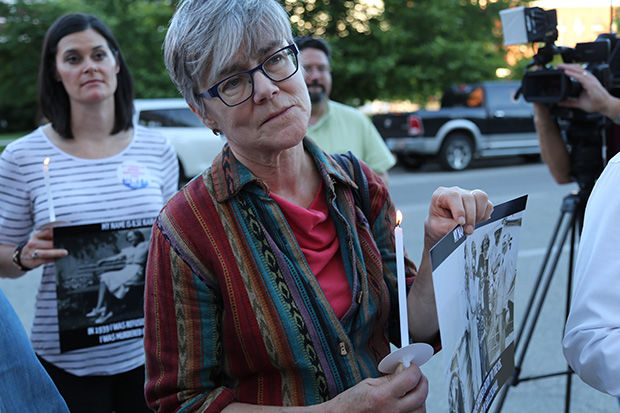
{"points": [[504, 180]]}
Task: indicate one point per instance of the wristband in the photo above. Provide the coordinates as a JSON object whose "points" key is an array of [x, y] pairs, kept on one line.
{"points": [[17, 257]]}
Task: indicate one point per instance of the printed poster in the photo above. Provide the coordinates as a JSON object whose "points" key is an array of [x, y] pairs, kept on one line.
{"points": [[474, 279], [100, 284]]}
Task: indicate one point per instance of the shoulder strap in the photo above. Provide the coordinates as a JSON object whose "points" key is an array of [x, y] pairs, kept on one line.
{"points": [[362, 195]]}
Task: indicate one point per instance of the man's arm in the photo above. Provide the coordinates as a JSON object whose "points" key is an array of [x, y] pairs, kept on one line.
{"points": [[384, 177], [592, 334], [593, 99], [552, 147], [376, 153]]}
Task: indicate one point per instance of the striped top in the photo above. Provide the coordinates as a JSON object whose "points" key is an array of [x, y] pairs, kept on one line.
{"points": [[132, 184], [233, 309]]}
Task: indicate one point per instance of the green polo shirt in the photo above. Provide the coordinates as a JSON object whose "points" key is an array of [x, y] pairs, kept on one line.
{"points": [[344, 128]]}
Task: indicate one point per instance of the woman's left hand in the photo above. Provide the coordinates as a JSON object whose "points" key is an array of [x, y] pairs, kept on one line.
{"points": [[454, 206], [40, 249]]}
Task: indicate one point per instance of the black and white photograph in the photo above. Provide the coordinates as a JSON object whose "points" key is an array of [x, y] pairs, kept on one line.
{"points": [[100, 284], [474, 279]]}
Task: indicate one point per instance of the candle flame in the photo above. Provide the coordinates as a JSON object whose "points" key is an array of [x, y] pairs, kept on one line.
{"points": [[399, 217], [46, 161]]}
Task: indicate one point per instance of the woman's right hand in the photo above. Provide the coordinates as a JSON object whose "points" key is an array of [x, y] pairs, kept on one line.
{"points": [[404, 391], [40, 249]]}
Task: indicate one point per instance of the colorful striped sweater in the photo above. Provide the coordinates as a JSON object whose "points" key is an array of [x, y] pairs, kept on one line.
{"points": [[233, 311]]}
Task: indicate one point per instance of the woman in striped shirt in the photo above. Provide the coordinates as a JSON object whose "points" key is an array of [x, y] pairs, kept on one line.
{"points": [[266, 284], [102, 168]]}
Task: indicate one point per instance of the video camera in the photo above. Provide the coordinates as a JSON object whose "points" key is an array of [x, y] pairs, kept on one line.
{"points": [[585, 133], [548, 84]]}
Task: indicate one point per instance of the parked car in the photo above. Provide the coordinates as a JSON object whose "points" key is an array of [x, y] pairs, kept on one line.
{"points": [[475, 121], [195, 144]]}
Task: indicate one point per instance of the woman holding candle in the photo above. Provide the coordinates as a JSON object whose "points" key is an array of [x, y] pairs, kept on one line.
{"points": [[266, 284], [99, 167]]}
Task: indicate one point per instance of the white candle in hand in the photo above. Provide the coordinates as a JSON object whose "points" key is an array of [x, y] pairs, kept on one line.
{"points": [[402, 287], [50, 200]]}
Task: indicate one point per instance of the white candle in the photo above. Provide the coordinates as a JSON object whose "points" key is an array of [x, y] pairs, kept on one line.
{"points": [[402, 287], [50, 200]]}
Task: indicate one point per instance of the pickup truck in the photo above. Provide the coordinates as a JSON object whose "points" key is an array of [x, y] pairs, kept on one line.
{"points": [[475, 121]]}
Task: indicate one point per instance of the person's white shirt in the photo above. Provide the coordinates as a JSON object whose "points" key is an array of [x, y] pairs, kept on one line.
{"points": [[592, 335]]}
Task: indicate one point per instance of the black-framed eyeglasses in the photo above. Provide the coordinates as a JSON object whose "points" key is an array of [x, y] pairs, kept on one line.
{"points": [[237, 88]]}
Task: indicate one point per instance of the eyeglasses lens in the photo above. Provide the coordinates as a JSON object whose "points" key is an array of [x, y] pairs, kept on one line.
{"points": [[279, 66]]}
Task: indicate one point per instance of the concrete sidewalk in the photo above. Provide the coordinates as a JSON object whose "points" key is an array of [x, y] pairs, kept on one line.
{"points": [[22, 293]]}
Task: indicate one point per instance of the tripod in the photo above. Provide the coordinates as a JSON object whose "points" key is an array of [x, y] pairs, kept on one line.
{"points": [[571, 213]]}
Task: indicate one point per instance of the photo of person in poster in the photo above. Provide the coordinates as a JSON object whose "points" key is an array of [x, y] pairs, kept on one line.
{"points": [[478, 272], [118, 282], [100, 284]]}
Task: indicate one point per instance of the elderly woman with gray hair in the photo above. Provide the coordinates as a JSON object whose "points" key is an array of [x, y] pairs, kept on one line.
{"points": [[268, 283]]}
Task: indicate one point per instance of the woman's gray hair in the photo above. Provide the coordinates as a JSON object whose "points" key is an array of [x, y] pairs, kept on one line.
{"points": [[205, 36]]}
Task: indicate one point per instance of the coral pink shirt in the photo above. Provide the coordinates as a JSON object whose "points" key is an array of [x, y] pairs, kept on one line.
{"points": [[316, 234]]}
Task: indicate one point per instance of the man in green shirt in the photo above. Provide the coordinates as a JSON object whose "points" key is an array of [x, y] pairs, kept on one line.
{"points": [[335, 127]]}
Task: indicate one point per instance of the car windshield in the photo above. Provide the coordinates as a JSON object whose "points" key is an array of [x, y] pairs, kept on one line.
{"points": [[458, 95], [180, 117], [503, 97]]}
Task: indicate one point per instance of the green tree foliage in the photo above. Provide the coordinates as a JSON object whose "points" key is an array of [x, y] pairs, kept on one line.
{"points": [[413, 49], [394, 49], [140, 28], [21, 37], [138, 25]]}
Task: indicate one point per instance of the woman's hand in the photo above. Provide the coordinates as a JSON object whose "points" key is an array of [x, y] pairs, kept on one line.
{"points": [[40, 249], [405, 391], [454, 206]]}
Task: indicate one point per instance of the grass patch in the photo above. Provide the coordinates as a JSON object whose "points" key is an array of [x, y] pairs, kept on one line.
{"points": [[5, 138], [12, 135]]}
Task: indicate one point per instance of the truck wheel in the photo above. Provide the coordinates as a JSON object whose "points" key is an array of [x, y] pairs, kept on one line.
{"points": [[456, 152], [531, 158], [410, 161]]}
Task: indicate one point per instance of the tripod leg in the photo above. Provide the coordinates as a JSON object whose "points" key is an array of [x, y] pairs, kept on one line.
{"points": [[544, 294], [569, 291], [541, 273]]}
